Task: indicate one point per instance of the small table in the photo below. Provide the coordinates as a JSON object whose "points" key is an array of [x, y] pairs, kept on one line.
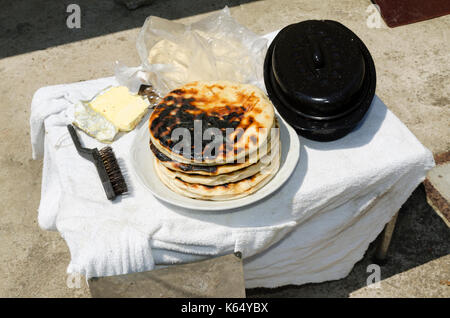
{"points": [[315, 228]]}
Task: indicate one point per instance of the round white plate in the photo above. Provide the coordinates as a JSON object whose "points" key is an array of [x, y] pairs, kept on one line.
{"points": [[142, 162]]}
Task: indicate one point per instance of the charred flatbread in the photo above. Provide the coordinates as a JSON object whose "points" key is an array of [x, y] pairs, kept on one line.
{"points": [[218, 169], [240, 112], [231, 177], [229, 191]]}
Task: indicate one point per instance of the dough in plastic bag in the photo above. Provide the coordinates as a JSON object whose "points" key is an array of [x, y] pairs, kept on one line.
{"points": [[214, 48]]}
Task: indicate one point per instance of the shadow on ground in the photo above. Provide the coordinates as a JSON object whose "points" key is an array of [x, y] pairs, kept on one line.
{"points": [[27, 26], [420, 236]]}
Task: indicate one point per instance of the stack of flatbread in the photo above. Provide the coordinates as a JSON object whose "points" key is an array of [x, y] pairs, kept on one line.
{"points": [[215, 140]]}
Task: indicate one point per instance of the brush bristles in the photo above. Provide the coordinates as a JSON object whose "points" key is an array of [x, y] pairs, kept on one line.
{"points": [[113, 170]]}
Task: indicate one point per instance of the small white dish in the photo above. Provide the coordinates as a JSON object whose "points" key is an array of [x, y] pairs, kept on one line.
{"points": [[142, 162]]}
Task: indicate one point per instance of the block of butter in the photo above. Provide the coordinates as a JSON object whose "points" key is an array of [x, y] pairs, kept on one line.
{"points": [[122, 108]]}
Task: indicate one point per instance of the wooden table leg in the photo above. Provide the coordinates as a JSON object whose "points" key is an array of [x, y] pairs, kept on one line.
{"points": [[385, 240]]}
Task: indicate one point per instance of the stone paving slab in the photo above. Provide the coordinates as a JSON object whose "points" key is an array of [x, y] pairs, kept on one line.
{"points": [[437, 186], [219, 277]]}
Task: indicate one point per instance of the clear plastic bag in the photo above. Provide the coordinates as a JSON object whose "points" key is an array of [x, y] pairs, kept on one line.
{"points": [[214, 48]]}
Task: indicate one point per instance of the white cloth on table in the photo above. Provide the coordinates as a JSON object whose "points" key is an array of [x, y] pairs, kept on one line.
{"points": [[313, 229]]}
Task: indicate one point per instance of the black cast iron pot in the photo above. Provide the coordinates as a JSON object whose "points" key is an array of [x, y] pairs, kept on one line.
{"points": [[320, 77]]}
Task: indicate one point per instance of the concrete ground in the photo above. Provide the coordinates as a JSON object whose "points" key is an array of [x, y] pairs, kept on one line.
{"points": [[37, 49]]}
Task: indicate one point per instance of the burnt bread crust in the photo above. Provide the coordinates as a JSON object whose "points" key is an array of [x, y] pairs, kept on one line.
{"points": [[221, 105]]}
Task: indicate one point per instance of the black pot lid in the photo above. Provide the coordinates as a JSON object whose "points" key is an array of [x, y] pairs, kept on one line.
{"points": [[320, 77]]}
